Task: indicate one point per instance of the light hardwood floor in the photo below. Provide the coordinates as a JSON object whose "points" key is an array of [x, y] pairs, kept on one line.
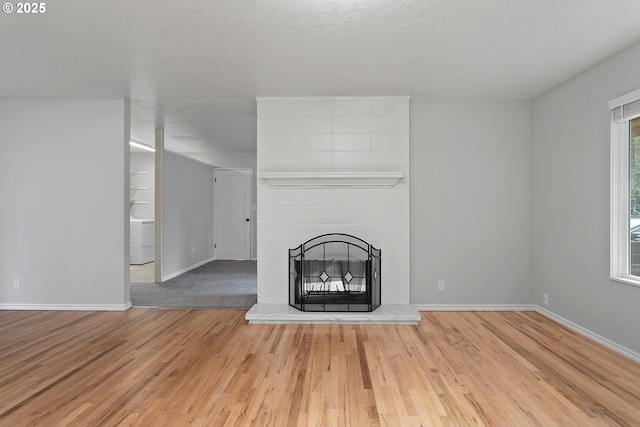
{"points": [[210, 368]]}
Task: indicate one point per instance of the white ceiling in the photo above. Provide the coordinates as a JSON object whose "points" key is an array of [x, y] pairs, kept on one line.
{"points": [[195, 67]]}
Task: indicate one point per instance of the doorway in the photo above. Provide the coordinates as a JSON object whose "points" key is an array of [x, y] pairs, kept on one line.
{"points": [[142, 213], [232, 214], [230, 278]]}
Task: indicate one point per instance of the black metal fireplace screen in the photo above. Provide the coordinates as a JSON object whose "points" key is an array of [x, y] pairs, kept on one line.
{"points": [[334, 272]]}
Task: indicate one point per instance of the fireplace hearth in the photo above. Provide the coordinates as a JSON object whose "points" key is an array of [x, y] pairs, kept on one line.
{"points": [[334, 273]]}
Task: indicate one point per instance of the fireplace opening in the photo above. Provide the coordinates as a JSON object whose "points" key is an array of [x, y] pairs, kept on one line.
{"points": [[334, 272]]}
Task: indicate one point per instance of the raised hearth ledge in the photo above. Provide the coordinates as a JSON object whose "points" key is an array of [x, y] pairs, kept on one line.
{"points": [[319, 179], [386, 314]]}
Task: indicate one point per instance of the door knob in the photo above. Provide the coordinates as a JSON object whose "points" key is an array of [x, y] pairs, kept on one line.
{"points": [[247, 219]]}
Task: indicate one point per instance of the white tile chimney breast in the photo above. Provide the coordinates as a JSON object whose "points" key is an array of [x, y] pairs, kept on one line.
{"points": [[333, 165]]}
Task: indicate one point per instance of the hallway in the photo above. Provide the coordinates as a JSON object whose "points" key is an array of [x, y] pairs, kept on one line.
{"points": [[213, 285]]}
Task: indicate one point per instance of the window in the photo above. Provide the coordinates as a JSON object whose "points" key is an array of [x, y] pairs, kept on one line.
{"points": [[625, 188]]}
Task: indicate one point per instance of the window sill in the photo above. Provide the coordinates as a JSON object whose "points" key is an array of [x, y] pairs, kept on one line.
{"points": [[626, 281]]}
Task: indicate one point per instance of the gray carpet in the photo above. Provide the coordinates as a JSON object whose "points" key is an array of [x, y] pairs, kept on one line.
{"points": [[213, 285]]}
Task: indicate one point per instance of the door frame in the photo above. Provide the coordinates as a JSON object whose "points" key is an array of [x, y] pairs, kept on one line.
{"points": [[216, 208]]}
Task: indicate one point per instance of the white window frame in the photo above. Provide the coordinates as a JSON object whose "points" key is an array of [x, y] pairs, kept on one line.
{"points": [[619, 179]]}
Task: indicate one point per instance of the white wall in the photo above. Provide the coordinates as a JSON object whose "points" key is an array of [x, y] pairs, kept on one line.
{"points": [[471, 202], [187, 214], [143, 162], [333, 134], [63, 172], [572, 202]]}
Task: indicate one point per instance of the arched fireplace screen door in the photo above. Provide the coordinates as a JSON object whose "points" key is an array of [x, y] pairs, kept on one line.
{"points": [[334, 272]]}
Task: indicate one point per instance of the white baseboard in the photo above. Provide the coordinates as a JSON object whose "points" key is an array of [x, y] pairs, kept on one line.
{"points": [[474, 307], [630, 354], [67, 307], [184, 270]]}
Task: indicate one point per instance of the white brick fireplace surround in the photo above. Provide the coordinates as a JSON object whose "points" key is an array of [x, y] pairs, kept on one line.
{"points": [[347, 148]]}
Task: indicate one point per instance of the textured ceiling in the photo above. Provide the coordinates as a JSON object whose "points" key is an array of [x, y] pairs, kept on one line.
{"points": [[195, 67]]}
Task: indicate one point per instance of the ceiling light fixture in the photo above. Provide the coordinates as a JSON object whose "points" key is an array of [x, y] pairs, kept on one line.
{"points": [[142, 146]]}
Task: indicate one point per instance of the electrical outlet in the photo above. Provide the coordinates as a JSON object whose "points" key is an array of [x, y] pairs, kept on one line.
{"points": [[545, 299], [441, 285], [16, 284]]}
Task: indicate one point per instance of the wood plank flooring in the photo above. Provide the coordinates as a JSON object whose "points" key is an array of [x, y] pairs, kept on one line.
{"points": [[146, 367]]}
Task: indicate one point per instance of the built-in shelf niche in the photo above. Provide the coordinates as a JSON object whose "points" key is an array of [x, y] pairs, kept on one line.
{"points": [[332, 179], [137, 188]]}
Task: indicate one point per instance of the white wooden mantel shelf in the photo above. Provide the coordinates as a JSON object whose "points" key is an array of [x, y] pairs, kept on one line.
{"points": [[332, 179]]}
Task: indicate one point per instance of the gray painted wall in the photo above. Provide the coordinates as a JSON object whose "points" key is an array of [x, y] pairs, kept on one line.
{"points": [[62, 228], [471, 201], [572, 201], [187, 213]]}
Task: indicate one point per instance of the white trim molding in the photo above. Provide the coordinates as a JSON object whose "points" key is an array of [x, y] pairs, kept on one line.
{"points": [[474, 307], [184, 270], [623, 109], [332, 179], [627, 98], [67, 307], [611, 345]]}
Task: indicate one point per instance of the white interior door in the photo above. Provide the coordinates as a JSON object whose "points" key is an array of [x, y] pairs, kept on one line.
{"points": [[232, 209]]}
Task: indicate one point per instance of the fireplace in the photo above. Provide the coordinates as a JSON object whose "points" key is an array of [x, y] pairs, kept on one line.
{"points": [[334, 272]]}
